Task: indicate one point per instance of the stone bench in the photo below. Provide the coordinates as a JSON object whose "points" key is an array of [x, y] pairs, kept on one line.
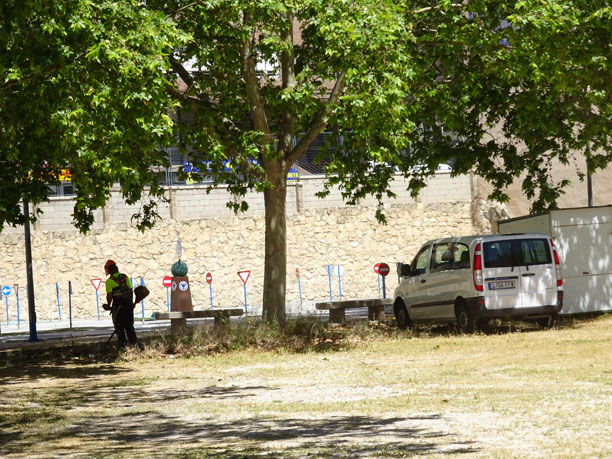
{"points": [[178, 319], [376, 308]]}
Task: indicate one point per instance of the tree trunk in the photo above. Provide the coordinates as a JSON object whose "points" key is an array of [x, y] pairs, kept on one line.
{"points": [[275, 269]]}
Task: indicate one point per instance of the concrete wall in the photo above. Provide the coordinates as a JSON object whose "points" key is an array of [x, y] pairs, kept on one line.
{"points": [[193, 202], [320, 232]]}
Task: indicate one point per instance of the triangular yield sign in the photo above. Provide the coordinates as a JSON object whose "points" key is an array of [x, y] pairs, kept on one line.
{"points": [[244, 275], [96, 283]]}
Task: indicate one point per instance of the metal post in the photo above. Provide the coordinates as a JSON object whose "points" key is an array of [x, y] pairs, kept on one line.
{"points": [[29, 271], [588, 171], [70, 302], [18, 320], [246, 311], [339, 283], [300, 289], [59, 309], [329, 269], [98, 303], [383, 287]]}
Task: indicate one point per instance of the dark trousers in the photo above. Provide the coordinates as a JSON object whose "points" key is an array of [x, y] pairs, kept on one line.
{"points": [[123, 319]]}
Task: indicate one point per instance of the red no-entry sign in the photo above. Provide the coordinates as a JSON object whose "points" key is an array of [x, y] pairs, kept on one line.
{"points": [[167, 281], [297, 272], [383, 269], [376, 268], [209, 278]]}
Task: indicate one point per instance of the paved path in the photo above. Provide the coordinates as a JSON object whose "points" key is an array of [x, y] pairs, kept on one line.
{"points": [[58, 333]]}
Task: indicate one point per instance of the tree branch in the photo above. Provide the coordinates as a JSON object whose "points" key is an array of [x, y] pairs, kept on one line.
{"points": [[183, 8], [181, 71], [288, 82], [320, 123], [11, 83], [256, 102], [429, 8]]}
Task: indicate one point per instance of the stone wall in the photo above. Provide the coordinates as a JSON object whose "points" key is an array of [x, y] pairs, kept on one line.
{"points": [[327, 233]]}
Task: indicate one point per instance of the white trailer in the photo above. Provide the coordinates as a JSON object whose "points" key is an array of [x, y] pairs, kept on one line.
{"points": [[583, 237]]}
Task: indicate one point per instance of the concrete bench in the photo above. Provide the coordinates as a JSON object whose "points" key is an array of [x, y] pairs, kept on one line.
{"points": [[178, 319], [376, 308]]}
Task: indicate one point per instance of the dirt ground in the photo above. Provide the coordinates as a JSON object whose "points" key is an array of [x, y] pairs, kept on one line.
{"points": [[506, 394]]}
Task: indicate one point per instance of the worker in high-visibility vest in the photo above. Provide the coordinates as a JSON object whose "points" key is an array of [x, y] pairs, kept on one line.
{"points": [[119, 296]]}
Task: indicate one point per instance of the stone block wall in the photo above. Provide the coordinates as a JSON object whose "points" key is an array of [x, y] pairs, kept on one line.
{"points": [[217, 241]]}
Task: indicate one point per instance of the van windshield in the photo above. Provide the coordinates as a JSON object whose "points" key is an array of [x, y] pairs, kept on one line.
{"points": [[518, 252]]}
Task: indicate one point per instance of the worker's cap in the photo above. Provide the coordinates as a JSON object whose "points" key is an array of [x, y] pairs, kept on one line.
{"points": [[109, 263]]}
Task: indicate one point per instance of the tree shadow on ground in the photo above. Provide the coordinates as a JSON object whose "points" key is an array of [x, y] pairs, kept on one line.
{"points": [[148, 433], [20, 374], [152, 434]]}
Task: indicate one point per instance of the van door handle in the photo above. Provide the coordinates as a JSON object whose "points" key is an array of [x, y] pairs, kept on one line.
{"points": [[528, 274], [422, 281]]}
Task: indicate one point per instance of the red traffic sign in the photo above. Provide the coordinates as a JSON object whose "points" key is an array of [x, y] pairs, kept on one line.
{"points": [[297, 272], [167, 281], [96, 283], [376, 268], [244, 275], [209, 278], [383, 269], [16, 288]]}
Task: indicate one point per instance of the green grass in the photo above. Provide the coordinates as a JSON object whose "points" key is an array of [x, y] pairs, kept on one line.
{"points": [[317, 391]]}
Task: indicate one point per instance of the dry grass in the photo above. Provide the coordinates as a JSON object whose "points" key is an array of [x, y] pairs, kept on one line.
{"points": [[323, 392]]}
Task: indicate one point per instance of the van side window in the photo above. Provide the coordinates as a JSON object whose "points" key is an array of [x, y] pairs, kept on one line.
{"points": [[419, 265], [462, 257], [440, 257], [449, 255]]}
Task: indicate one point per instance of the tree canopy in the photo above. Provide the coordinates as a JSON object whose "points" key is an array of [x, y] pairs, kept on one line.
{"points": [[519, 84], [82, 85], [261, 80], [501, 88]]}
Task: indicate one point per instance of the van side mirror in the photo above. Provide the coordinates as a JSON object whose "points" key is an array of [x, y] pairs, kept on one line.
{"points": [[404, 269]]}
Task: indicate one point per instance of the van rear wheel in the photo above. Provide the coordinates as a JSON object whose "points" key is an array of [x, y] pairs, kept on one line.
{"points": [[465, 322], [483, 325], [551, 321]]}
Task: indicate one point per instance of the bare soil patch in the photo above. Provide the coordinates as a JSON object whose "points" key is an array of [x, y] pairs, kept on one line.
{"points": [[373, 393]]}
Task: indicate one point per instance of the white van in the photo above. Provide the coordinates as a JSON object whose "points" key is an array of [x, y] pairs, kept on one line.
{"points": [[476, 278]]}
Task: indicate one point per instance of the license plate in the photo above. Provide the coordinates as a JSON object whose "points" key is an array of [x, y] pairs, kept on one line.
{"points": [[500, 285]]}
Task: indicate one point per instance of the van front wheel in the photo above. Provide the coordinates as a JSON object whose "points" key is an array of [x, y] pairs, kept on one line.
{"points": [[403, 319], [465, 322]]}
